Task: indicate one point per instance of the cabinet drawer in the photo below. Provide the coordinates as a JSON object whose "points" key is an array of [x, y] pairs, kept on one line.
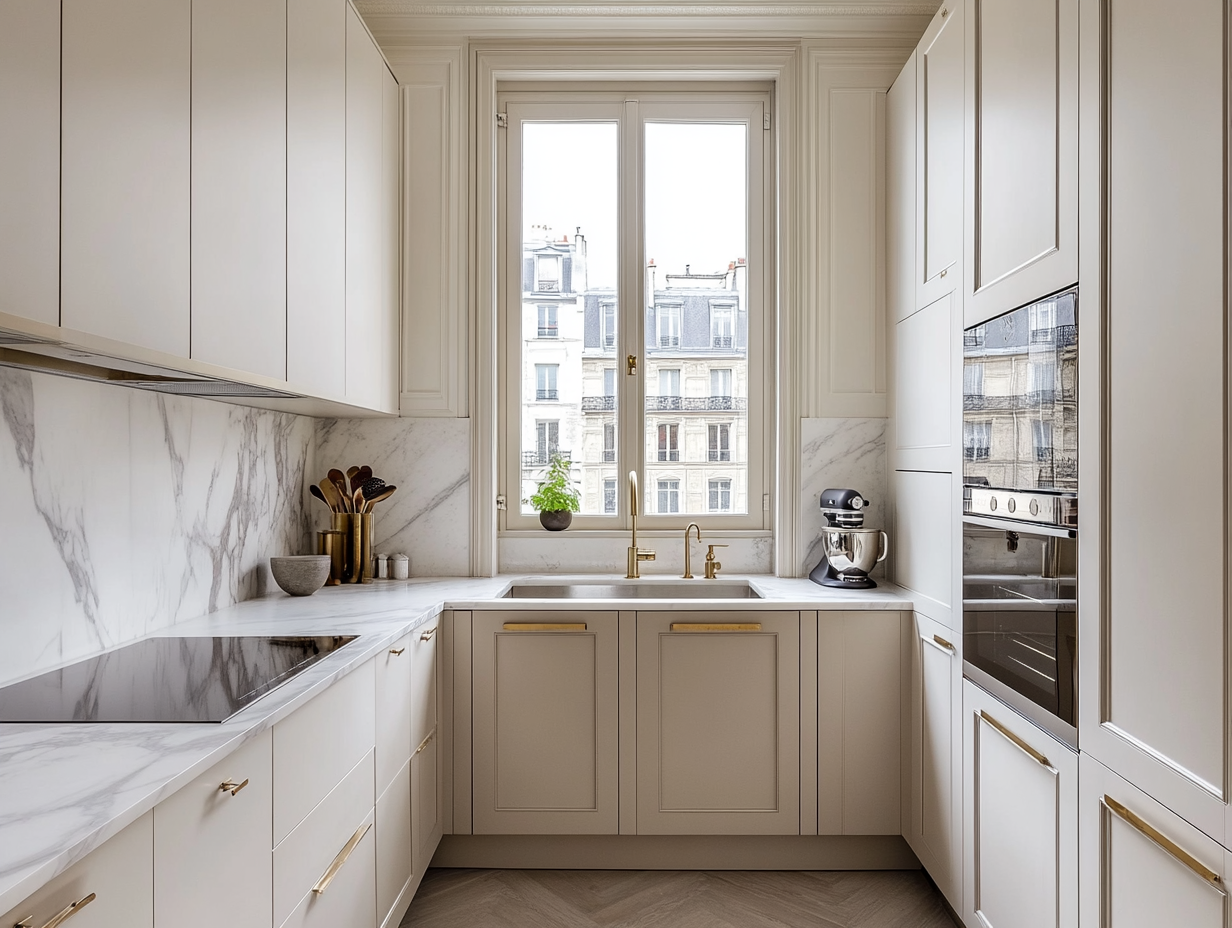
{"points": [[306, 854], [426, 819], [423, 681], [206, 836], [316, 746], [394, 674], [349, 899], [393, 842], [120, 877]]}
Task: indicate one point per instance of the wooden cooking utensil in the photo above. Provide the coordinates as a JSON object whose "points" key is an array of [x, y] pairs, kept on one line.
{"points": [[316, 491], [330, 493], [384, 494], [338, 478]]}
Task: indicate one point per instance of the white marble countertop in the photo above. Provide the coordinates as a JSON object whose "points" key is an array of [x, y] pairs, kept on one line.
{"points": [[67, 788]]}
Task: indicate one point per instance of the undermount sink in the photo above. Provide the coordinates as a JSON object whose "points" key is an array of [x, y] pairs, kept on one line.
{"points": [[684, 589]]}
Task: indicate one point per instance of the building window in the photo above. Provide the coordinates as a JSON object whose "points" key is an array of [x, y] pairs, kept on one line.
{"points": [[722, 325], [669, 441], [609, 494], [547, 440], [669, 389], [1041, 438], [609, 381], [720, 495], [545, 381], [977, 437], [1042, 380], [720, 388], [974, 337], [607, 312], [549, 274], [669, 325], [720, 441], [1042, 320], [609, 442], [973, 378], [547, 322], [668, 495]]}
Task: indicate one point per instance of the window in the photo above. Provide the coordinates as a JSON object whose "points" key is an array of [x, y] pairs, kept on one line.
{"points": [[973, 378], [609, 494], [722, 325], [545, 381], [547, 440], [669, 442], [1041, 439], [977, 436], [634, 244], [547, 322], [1042, 319], [720, 495], [974, 337], [668, 496], [1042, 377], [720, 441]]}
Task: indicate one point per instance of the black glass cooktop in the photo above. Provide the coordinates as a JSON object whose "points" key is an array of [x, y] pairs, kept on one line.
{"points": [[165, 680]]}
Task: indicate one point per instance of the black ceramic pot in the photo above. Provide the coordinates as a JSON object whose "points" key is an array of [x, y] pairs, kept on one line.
{"points": [[556, 520]]}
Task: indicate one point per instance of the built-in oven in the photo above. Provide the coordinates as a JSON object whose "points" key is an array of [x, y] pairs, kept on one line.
{"points": [[1020, 510]]}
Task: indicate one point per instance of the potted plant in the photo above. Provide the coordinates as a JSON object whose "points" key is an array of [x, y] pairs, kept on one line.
{"points": [[556, 499]]}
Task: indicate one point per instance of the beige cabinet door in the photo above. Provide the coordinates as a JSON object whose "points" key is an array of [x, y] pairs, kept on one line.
{"points": [[239, 185], [859, 680], [934, 826], [425, 680], [125, 176], [217, 832], [1020, 835], [718, 723], [1143, 866], [939, 154], [545, 723], [927, 365], [900, 193], [30, 160], [394, 844], [426, 804], [1022, 153], [112, 887], [925, 540], [395, 677]]}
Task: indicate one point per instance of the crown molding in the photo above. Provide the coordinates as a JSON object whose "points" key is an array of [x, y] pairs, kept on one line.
{"points": [[651, 9]]}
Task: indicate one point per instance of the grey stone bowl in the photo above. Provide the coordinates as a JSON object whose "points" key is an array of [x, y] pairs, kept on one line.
{"points": [[302, 575]]}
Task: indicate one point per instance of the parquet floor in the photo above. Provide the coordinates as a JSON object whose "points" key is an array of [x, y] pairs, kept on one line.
{"points": [[676, 899]]}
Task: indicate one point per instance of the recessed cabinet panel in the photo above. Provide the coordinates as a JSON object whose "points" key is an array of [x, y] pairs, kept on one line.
{"points": [[900, 193], [922, 542], [426, 805], [124, 271], [239, 185], [30, 160], [924, 386]]}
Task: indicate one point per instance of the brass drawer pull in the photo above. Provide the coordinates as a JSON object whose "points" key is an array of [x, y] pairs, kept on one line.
{"points": [[428, 740], [230, 786], [716, 626], [1163, 842], [63, 915], [544, 626], [396, 652], [347, 850], [427, 636], [1016, 741], [942, 644]]}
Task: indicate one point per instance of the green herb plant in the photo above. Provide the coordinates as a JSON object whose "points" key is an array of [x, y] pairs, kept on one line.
{"points": [[555, 493]]}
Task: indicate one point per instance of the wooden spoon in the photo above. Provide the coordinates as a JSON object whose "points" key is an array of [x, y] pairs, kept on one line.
{"points": [[330, 494], [316, 491], [384, 494], [338, 478]]}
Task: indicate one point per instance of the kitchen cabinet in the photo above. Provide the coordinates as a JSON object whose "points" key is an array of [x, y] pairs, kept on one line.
{"points": [[117, 878], [316, 195], [373, 149], [1020, 839], [216, 832], [1142, 865], [545, 728], [29, 160], [718, 712], [427, 804], [394, 846], [939, 154], [860, 678], [395, 680], [934, 826], [927, 366], [925, 540], [1154, 668], [124, 168], [1021, 188], [900, 158], [239, 185]]}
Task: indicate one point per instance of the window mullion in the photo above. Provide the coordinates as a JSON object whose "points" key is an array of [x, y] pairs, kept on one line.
{"points": [[631, 313]]}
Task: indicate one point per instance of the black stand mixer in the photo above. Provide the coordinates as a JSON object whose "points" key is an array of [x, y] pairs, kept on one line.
{"points": [[850, 550]]}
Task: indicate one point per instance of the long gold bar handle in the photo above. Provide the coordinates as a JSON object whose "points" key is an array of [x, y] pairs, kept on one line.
{"points": [[70, 910], [544, 626], [942, 644], [348, 848], [230, 786], [423, 744], [427, 636], [1016, 741], [716, 626], [1165, 843]]}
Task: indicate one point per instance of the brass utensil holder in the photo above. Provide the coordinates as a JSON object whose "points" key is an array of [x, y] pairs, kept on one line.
{"points": [[356, 529], [333, 543]]}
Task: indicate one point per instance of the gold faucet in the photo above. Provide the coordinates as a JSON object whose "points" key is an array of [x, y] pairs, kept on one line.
{"points": [[688, 570], [636, 554], [712, 566]]}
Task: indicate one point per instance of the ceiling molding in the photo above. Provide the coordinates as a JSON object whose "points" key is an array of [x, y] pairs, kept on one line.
{"points": [[617, 10]]}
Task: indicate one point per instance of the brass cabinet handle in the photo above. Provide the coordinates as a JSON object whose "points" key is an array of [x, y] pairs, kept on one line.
{"points": [[1016, 741], [396, 652], [544, 626], [716, 626], [230, 786], [1163, 842], [942, 644], [63, 915], [427, 636], [347, 850], [944, 271], [428, 740]]}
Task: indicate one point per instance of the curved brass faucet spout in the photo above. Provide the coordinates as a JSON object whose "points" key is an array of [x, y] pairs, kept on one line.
{"points": [[688, 568], [636, 554]]}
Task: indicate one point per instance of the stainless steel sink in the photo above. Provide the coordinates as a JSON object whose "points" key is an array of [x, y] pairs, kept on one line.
{"points": [[684, 589]]}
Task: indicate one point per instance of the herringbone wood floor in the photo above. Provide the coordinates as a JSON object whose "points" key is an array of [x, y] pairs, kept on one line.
{"points": [[676, 899]]}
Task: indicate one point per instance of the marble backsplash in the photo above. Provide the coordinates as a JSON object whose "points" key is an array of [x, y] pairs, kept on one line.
{"points": [[429, 460], [127, 511]]}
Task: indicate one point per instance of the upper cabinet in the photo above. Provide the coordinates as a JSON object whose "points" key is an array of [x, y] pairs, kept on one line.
{"points": [[1021, 153], [29, 156], [125, 161]]}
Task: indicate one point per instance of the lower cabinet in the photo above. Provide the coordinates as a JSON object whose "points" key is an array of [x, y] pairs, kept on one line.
{"points": [[1142, 865], [348, 899], [394, 844], [426, 804], [112, 887], [544, 723], [1021, 828], [718, 723]]}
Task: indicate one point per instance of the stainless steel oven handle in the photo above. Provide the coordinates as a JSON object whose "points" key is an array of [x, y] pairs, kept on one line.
{"points": [[1022, 528]]}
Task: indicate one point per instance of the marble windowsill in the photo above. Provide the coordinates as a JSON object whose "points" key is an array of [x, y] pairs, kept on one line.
{"points": [[67, 788]]}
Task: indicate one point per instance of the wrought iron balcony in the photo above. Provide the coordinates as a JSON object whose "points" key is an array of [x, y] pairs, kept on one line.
{"points": [[696, 403], [721, 341], [542, 458], [549, 331], [546, 394], [598, 403]]}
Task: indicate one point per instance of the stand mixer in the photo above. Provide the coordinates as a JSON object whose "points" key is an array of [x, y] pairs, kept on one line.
{"points": [[850, 550]]}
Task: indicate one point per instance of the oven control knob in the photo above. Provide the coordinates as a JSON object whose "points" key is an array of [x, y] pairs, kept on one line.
{"points": [[1035, 507], [1011, 505], [992, 503]]}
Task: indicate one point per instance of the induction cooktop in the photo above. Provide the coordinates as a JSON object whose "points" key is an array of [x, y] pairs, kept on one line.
{"points": [[165, 680]]}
